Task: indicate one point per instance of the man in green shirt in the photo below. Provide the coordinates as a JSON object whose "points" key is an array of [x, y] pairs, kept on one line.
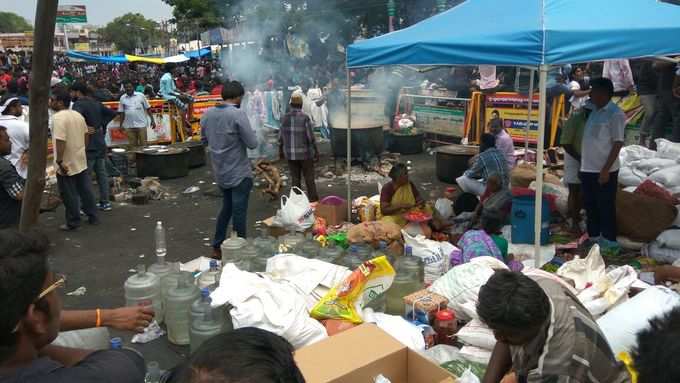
{"points": [[571, 140]]}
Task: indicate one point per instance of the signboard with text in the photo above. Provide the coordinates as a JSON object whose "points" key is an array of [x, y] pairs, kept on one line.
{"points": [[446, 121], [71, 14], [513, 110]]}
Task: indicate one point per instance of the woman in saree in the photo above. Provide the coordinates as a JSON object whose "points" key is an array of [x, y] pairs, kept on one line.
{"points": [[400, 196]]}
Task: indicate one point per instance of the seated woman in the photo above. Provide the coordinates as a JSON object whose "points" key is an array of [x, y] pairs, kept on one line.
{"points": [[486, 242], [399, 196], [496, 198]]}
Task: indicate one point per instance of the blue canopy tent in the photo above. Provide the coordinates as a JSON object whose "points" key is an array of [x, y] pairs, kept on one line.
{"points": [[536, 33]]}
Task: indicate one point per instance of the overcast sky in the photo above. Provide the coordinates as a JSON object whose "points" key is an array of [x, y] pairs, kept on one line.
{"points": [[99, 12]]}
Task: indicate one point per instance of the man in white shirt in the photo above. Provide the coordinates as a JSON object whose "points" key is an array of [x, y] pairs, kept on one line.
{"points": [[17, 129], [602, 142], [619, 72], [135, 112]]}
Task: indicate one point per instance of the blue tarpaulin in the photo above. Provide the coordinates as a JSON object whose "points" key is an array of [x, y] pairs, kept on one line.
{"points": [[131, 58], [528, 32]]}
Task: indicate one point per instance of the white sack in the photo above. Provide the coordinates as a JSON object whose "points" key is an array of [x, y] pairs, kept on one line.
{"points": [[435, 255], [399, 328], [476, 354], [669, 238], [660, 254], [461, 285], [632, 153], [629, 244], [628, 178], [583, 271], [621, 325], [477, 334], [608, 290], [651, 165], [667, 149], [668, 177]]}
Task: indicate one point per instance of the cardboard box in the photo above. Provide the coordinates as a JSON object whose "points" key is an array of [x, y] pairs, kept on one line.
{"points": [[360, 354], [333, 214]]}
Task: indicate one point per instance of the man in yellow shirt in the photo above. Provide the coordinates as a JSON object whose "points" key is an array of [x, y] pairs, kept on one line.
{"points": [[69, 138]]}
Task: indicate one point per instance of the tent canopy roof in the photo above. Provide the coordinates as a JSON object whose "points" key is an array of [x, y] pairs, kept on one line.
{"points": [[528, 32]]}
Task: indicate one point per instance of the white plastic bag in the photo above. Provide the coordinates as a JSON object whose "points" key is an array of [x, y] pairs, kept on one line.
{"points": [[461, 285], [669, 239], [632, 153], [468, 377], [621, 325], [608, 290], [435, 255], [444, 207], [628, 178], [668, 177], [659, 253], [475, 354], [651, 165], [296, 211], [667, 149], [583, 271], [477, 334]]}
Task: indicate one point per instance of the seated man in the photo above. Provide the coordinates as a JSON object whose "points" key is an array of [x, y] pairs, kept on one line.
{"points": [[655, 359], [544, 334], [31, 302], [241, 356], [489, 161]]}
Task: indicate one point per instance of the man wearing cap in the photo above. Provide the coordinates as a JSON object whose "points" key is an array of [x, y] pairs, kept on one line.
{"points": [[298, 146], [12, 190], [17, 130]]}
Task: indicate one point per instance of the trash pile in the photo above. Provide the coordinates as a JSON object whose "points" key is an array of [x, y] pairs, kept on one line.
{"points": [[139, 191]]}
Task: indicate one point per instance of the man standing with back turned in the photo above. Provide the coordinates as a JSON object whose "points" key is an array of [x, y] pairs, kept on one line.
{"points": [[227, 133]]}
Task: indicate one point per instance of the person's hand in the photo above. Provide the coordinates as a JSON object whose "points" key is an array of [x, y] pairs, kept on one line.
{"points": [[90, 130], [133, 318], [509, 378], [153, 125], [604, 177], [63, 168]]}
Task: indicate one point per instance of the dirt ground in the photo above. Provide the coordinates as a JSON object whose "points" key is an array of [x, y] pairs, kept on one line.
{"points": [[101, 257]]}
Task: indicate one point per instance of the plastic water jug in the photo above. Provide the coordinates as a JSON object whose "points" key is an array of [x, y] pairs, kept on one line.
{"points": [[291, 241], [248, 255], [153, 372], [265, 244], [259, 264], [364, 251], [309, 248], [403, 285], [210, 278], [162, 269], [177, 316], [231, 249], [200, 305], [204, 328], [352, 259], [330, 253], [170, 280], [144, 288]]}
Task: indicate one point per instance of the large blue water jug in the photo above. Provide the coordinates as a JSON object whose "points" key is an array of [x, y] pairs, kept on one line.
{"points": [[522, 220]]}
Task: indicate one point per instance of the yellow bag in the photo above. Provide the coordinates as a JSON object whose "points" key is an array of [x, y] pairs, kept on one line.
{"points": [[345, 300]]}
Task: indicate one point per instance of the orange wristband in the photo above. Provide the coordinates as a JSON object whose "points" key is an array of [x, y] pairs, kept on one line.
{"points": [[99, 318]]}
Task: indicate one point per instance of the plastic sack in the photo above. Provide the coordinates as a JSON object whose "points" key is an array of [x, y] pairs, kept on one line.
{"points": [[461, 285], [584, 271], [632, 153], [468, 377], [444, 207], [621, 325], [346, 300], [667, 149], [296, 211], [659, 253], [435, 255], [475, 354], [477, 334], [651, 165], [668, 177], [627, 177], [670, 239], [608, 290]]}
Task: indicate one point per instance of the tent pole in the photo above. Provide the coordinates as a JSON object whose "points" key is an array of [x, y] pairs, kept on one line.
{"points": [[542, 80], [530, 104], [349, 145]]}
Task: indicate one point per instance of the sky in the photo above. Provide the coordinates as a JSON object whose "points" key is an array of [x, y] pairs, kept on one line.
{"points": [[99, 12]]}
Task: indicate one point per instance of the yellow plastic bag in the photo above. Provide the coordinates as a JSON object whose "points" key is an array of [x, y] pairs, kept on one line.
{"points": [[345, 300]]}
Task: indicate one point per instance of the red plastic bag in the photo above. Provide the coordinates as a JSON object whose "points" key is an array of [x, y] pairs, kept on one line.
{"points": [[654, 190]]}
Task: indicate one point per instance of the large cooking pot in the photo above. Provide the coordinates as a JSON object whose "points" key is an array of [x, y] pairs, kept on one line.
{"points": [[172, 162], [452, 161]]}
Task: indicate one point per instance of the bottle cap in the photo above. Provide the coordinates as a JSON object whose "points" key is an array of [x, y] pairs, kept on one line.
{"points": [[116, 343], [213, 263], [205, 292], [445, 315]]}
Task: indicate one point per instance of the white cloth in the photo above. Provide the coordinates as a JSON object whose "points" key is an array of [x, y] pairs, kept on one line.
{"points": [[471, 185], [134, 107], [571, 169], [318, 114], [487, 74], [604, 127], [576, 102], [620, 73], [399, 328], [17, 130]]}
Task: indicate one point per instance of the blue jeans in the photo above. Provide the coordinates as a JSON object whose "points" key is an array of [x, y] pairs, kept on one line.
{"points": [[98, 166], [234, 203], [74, 190]]}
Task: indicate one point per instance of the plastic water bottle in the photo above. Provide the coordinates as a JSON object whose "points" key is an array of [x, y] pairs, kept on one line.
{"points": [[200, 305], [210, 278], [177, 318], [116, 343], [159, 235], [204, 328], [153, 373]]}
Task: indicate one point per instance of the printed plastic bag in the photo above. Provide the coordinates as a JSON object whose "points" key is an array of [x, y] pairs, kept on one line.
{"points": [[346, 300], [296, 211], [435, 255]]}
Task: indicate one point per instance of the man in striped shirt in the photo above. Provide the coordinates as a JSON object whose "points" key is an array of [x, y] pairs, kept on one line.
{"points": [[489, 161], [298, 145], [12, 190]]}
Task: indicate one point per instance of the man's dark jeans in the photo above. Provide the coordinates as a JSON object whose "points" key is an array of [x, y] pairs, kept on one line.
{"points": [[73, 190], [97, 165], [234, 203], [600, 204], [304, 168]]}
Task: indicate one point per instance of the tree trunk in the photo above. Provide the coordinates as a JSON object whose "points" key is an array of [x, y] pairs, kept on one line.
{"points": [[43, 56]]}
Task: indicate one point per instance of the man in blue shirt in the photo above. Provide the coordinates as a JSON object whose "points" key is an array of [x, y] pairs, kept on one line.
{"points": [[490, 161], [226, 131]]}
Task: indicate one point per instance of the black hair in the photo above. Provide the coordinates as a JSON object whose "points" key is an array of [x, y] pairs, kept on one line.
{"points": [[168, 67], [512, 300], [4, 99], [23, 269], [398, 170], [232, 89], [487, 141], [465, 203], [491, 221], [657, 347], [81, 87], [60, 94], [603, 83], [242, 356]]}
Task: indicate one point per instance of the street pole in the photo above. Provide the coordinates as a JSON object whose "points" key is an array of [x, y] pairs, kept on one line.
{"points": [[66, 47], [392, 13], [43, 56]]}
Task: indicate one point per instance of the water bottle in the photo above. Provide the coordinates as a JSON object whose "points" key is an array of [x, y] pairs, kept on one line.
{"points": [[177, 314], [210, 278], [116, 343], [153, 373], [204, 328], [200, 305], [159, 235], [144, 288]]}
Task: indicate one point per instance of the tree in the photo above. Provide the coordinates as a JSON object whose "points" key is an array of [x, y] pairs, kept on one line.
{"points": [[131, 31], [13, 23]]}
